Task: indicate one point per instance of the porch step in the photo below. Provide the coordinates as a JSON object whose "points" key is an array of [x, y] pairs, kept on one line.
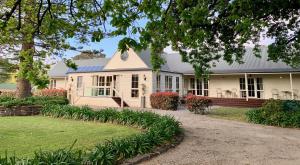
{"points": [[118, 101]]}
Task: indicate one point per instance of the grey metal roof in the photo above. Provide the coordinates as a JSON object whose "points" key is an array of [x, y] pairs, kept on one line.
{"points": [[60, 69], [145, 55], [252, 64]]}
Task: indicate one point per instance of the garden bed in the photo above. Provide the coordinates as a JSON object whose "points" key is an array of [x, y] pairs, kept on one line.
{"points": [[26, 110]]}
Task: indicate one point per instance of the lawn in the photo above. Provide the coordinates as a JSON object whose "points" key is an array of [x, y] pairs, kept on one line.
{"points": [[24, 135], [229, 113]]}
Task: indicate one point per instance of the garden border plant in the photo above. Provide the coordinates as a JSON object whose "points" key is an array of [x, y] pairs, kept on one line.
{"points": [[158, 131]]}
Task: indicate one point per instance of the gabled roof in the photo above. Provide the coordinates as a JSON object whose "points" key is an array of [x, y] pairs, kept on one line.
{"points": [[252, 64], [145, 55], [90, 65]]}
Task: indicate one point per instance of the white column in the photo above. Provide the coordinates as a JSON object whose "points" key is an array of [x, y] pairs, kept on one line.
{"points": [[246, 84], [291, 84]]}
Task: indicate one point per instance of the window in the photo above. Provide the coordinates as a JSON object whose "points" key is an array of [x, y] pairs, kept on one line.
{"points": [[199, 87], [192, 86], [101, 85], [79, 81], [135, 85], [205, 87], [158, 83], [259, 87], [255, 87], [251, 87], [168, 83], [52, 84], [242, 87], [177, 85], [101, 81]]}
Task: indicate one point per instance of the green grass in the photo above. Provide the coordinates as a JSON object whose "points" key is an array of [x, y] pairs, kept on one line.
{"points": [[229, 113], [24, 135]]}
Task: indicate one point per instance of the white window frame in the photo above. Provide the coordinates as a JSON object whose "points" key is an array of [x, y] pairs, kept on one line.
{"points": [[136, 89], [52, 84], [194, 87], [255, 88], [158, 83], [177, 84], [168, 83], [103, 87]]}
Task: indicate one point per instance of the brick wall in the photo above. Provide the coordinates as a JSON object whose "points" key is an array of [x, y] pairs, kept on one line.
{"points": [[237, 102], [20, 111]]}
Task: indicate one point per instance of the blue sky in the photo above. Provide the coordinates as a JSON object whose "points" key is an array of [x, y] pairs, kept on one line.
{"points": [[109, 45]]}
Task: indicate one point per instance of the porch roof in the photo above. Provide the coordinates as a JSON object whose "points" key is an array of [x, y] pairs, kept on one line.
{"points": [[252, 64]]}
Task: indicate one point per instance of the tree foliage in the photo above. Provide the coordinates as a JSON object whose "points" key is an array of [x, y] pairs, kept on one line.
{"points": [[201, 30]]}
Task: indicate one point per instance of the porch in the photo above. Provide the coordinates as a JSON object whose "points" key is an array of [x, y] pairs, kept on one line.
{"points": [[241, 87]]}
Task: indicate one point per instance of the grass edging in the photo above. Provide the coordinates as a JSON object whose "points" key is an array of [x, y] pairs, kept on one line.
{"points": [[158, 151]]}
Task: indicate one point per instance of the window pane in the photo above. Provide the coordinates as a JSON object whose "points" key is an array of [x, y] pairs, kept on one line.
{"points": [[134, 81], [251, 89], [199, 87], [134, 93], [101, 91], [158, 82], [192, 83], [107, 92], [108, 80], [242, 84], [101, 81], [79, 81]]}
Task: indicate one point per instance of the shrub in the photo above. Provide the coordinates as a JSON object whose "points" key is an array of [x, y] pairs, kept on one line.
{"points": [[277, 113], [164, 100], [9, 101], [159, 130], [197, 104], [51, 92]]}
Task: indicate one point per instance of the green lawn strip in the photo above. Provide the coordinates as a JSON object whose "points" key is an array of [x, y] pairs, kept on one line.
{"points": [[24, 135], [229, 113]]}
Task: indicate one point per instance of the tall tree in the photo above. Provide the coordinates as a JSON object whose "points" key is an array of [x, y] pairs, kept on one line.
{"points": [[201, 30], [35, 29]]}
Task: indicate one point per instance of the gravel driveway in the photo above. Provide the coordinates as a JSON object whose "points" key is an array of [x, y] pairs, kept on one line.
{"points": [[217, 141]]}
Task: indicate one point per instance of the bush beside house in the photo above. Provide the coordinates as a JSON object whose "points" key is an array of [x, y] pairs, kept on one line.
{"points": [[197, 104], [164, 100], [283, 113]]}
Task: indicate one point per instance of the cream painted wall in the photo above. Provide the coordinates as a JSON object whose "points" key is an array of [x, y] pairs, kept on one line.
{"points": [[270, 82], [60, 83], [145, 77], [133, 61]]}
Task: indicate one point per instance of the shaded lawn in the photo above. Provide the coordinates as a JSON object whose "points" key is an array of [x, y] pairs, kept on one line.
{"points": [[229, 113], [24, 135]]}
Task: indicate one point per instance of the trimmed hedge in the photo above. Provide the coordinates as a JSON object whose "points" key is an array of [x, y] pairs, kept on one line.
{"points": [[51, 92], [197, 104], [10, 101], [164, 100], [283, 113], [158, 130]]}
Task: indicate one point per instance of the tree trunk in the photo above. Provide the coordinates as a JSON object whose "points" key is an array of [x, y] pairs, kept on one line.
{"points": [[23, 84], [23, 88]]}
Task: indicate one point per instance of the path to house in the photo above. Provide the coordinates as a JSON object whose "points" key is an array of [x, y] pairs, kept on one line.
{"points": [[216, 141]]}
